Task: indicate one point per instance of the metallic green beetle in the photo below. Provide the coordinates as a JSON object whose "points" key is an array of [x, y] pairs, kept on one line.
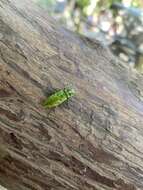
{"points": [[58, 97]]}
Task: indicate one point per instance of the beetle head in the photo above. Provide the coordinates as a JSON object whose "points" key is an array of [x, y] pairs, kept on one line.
{"points": [[69, 92]]}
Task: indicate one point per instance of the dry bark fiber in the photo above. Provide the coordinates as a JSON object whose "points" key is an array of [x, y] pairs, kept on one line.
{"points": [[92, 142]]}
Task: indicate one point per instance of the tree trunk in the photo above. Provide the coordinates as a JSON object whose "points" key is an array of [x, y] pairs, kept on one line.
{"points": [[92, 142]]}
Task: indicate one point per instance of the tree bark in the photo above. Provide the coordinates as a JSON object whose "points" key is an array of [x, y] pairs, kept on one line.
{"points": [[92, 142]]}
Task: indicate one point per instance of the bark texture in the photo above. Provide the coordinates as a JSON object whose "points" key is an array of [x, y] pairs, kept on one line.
{"points": [[92, 142]]}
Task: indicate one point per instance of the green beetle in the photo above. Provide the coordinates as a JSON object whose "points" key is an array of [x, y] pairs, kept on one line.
{"points": [[58, 97]]}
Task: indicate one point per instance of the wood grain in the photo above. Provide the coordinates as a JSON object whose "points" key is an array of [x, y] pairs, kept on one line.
{"points": [[92, 142]]}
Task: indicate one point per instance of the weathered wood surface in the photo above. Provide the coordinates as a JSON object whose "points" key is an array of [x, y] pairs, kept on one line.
{"points": [[93, 142]]}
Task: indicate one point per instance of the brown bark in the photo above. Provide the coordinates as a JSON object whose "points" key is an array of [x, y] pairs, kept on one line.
{"points": [[92, 142]]}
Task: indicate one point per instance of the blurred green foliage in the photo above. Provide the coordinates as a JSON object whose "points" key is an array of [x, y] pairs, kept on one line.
{"points": [[83, 3], [137, 3], [118, 23]]}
